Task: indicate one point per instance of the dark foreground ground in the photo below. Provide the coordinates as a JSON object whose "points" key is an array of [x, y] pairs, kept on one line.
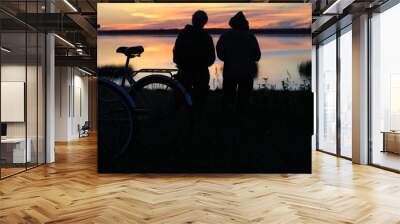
{"points": [[274, 135]]}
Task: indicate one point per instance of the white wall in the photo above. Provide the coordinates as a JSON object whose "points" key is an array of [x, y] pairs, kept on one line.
{"points": [[33, 126], [62, 82], [80, 89], [12, 73], [71, 87]]}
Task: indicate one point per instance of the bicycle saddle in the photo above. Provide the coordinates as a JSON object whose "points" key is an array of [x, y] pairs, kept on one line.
{"points": [[131, 51]]}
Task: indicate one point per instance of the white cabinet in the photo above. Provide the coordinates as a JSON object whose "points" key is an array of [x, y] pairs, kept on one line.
{"points": [[17, 147]]}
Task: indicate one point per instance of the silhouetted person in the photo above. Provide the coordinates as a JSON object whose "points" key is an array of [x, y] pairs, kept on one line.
{"points": [[239, 50], [193, 53]]}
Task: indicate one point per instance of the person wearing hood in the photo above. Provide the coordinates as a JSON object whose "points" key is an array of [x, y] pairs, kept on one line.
{"points": [[193, 53], [239, 50]]}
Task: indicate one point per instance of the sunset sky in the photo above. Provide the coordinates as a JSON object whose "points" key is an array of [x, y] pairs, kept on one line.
{"points": [[128, 16]]}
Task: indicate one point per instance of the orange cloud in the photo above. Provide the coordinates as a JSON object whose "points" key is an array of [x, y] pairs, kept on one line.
{"points": [[173, 15]]}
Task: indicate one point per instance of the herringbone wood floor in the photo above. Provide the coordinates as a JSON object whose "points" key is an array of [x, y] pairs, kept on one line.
{"points": [[71, 191]]}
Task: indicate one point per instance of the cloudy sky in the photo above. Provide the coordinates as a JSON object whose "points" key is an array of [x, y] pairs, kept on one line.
{"points": [[125, 16]]}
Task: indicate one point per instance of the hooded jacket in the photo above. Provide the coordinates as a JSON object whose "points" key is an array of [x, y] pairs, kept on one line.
{"points": [[239, 50], [194, 49]]}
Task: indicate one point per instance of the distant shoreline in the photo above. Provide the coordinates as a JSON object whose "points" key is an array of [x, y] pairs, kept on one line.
{"points": [[210, 31]]}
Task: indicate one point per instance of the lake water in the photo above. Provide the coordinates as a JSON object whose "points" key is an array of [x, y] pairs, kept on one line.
{"points": [[281, 54]]}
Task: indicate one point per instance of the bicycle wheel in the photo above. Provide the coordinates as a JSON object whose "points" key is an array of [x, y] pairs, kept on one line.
{"points": [[163, 112], [115, 120]]}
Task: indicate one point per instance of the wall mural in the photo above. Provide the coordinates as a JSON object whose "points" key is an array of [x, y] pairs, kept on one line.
{"points": [[204, 87]]}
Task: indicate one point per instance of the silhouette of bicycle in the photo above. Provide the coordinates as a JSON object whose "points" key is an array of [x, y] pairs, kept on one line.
{"points": [[153, 111]]}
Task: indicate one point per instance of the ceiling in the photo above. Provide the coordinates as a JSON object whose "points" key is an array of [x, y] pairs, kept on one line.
{"points": [[334, 15], [74, 22]]}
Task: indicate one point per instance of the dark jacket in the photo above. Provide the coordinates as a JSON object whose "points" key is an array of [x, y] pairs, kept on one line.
{"points": [[194, 50], [239, 50]]}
